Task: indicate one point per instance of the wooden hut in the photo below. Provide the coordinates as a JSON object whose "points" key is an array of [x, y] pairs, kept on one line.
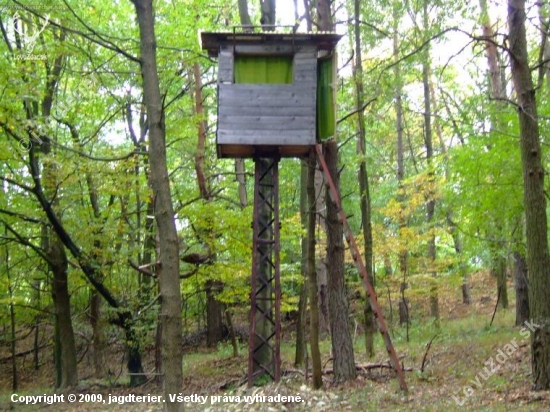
{"points": [[275, 91]]}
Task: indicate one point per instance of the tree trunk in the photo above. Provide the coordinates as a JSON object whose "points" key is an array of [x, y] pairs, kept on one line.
{"points": [[321, 261], [13, 340], [268, 13], [231, 330], [462, 266], [365, 203], [64, 328], [544, 54], [491, 52], [133, 351], [243, 14], [214, 315], [98, 335], [522, 289], [342, 345], [37, 321], [499, 272], [65, 348], [169, 279], [214, 321], [301, 348], [317, 378], [536, 225], [431, 203], [402, 252]]}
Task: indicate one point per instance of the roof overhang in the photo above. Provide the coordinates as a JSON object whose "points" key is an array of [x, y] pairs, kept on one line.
{"points": [[212, 41]]}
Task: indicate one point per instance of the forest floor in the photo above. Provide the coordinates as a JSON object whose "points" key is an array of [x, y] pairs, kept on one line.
{"points": [[454, 367]]}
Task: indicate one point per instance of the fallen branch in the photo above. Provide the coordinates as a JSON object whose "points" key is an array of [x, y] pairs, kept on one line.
{"points": [[24, 353], [425, 357], [369, 366]]}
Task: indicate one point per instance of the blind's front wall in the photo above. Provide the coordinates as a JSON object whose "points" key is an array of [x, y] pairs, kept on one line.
{"points": [[268, 114]]}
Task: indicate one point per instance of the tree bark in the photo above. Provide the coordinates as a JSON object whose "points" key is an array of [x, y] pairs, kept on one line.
{"points": [[214, 314], [317, 377], [13, 341], [431, 203], [65, 347], [365, 202], [64, 328], [268, 13], [462, 266], [301, 348], [522, 289], [214, 321], [544, 54], [491, 52], [536, 225], [169, 280], [342, 345], [243, 14], [403, 255], [499, 272], [98, 336]]}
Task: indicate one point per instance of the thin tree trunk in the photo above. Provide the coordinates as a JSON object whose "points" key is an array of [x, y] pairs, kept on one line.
{"points": [[499, 272], [462, 266], [240, 172], [536, 225], [268, 13], [243, 13], [522, 289], [169, 279], [64, 327], [36, 346], [14, 374], [67, 375], [544, 53], [301, 348], [98, 336], [214, 321], [491, 52], [317, 378], [66, 363], [365, 203], [321, 261], [214, 313], [497, 89], [231, 332], [431, 203], [13, 340], [404, 316]]}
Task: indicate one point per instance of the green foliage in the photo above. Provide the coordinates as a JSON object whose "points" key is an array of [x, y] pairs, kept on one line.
{"points": [[99, 153]]}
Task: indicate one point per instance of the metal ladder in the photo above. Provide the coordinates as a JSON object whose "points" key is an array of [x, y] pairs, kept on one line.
{"points": [[361, 268]]}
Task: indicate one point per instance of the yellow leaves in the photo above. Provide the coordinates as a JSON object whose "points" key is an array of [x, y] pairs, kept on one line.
{"points": [[407, 231]]}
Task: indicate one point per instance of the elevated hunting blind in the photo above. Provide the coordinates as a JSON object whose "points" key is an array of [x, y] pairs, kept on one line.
{"points": [[275, 91], [276, 99]]}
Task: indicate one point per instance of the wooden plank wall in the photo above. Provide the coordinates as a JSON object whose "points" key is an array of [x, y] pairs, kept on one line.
{"points": [[275, 114]]}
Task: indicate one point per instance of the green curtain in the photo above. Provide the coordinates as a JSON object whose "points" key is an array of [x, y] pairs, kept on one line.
{"points": [[326, 122], [263, 69]]}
